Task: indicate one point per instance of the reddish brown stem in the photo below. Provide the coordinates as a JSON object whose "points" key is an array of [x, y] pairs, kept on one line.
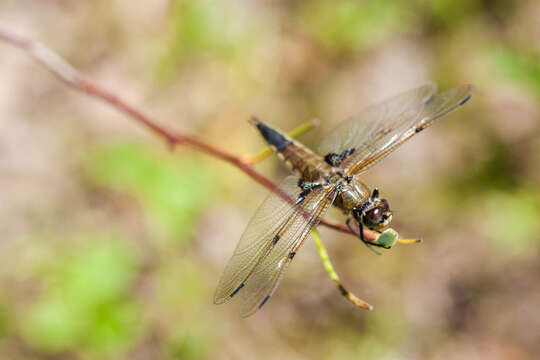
{"points": [[77, 81]]}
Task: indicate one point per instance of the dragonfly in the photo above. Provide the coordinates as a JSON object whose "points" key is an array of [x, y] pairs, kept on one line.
{"points": [[328, 177]]}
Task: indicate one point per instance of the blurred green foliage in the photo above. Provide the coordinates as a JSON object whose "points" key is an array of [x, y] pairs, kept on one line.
{"points": [[446, 13], [496, 171], [511, 206], [171, 189], [349, 25], [201, 30], [382, 334], [4, 319], [523, 68], [85, 302], [188, 346], [182, 287], [511, 220]]}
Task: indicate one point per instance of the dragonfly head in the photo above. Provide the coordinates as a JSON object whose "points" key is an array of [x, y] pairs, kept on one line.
{"points": [[379, 216], [376, 215]]}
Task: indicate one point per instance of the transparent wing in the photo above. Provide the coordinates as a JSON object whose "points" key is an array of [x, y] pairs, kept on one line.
{"points": [[267, 275], [263, 252], [381, 128]]}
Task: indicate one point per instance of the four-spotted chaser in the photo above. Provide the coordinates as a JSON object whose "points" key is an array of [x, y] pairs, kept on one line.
{"points": [[330, 177]]}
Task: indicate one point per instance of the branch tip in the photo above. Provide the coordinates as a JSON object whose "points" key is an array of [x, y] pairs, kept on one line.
{"points": [[73, 78]]}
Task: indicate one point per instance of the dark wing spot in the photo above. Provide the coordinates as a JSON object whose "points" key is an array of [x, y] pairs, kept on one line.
{"points": [[291, 255], [264, 301], [332, 159], [430, 99], [276, 239], [464, 101], [237, 289], [335, 160], [418, 129]]}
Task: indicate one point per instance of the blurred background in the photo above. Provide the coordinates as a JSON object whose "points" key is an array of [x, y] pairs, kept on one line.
{"points": [[111, 245]]}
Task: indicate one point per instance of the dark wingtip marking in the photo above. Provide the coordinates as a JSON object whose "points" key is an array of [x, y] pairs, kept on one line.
{"points": [[276, 239], [264, 301], [464, 101], [237, 289]]}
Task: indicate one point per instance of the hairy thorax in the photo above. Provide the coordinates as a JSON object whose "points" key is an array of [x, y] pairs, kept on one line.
{"points": [[352, 194]]}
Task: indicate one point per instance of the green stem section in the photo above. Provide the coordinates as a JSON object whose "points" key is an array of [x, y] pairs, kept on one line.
{"points": [[333, 274], [324, 256]]}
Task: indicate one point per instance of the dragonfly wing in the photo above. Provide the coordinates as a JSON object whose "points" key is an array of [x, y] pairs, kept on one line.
{"points": [[276, 216], [268, 273], [381, 128]]}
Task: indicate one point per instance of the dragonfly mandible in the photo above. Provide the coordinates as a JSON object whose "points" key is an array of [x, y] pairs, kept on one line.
{"points": [[322, 179]]}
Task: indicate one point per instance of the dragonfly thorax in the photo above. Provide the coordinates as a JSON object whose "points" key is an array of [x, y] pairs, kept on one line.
{"points": [[353, 194], [366, 207]]}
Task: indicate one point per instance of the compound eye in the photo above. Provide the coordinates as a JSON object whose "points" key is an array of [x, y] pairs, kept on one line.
{"points": [[383, 205], [375, 215]]}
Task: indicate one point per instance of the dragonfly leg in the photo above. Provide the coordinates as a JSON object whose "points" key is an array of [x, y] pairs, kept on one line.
{"points": [[360, 235], [386, 239]]}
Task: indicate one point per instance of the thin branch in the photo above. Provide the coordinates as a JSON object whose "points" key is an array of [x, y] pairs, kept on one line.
{"points": [[73, 78]]}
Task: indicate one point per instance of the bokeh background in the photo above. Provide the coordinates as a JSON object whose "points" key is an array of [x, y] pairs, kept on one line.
{"points": [[111, 245]]}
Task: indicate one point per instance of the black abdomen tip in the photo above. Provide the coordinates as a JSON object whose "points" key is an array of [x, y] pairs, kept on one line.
{"points": [[272, 137]]}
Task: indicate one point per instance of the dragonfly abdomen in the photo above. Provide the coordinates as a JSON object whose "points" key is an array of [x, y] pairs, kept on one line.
{"points": [[309, 165], [274, 138]]}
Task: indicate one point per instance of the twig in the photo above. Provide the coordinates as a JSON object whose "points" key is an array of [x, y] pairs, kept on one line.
{"points": [[73, 78]]}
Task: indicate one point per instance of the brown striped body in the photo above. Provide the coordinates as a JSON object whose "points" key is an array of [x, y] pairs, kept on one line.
{"points": [[314, 169], [310, 166]]}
